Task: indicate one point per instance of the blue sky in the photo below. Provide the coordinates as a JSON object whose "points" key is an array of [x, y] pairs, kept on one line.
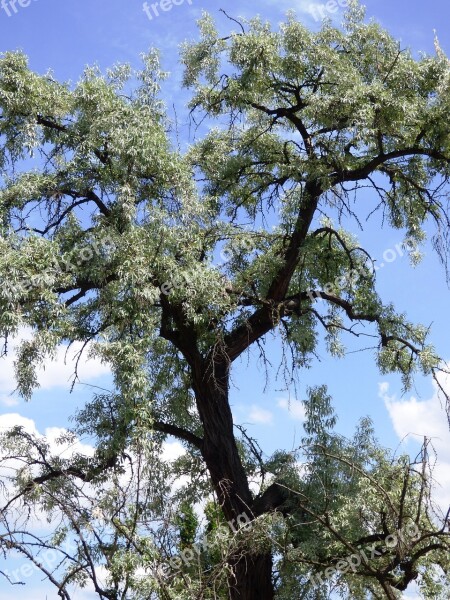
{"points": [[65, 36]]}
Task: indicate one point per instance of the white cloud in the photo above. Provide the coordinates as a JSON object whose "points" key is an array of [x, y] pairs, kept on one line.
{"points": [[316, 11], [52, 436], [307, 7], [260, 415], [55, 373], [66, 449], [59, 372], [419, 418], [413, 419], [10, 420], [171, 451], [9, 401], [295, 408]]}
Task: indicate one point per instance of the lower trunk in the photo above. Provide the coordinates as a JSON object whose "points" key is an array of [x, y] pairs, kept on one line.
{"points": [[252, 578]]}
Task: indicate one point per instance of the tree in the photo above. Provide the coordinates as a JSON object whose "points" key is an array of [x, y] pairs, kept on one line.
{"points": [[108, 236]]}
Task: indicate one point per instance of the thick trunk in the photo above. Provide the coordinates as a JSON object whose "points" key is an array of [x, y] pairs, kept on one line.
{"points": [[220, 450], [251, 577]]}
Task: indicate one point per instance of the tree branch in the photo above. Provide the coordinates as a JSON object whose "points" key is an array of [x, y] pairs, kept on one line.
{"points": [[179, 432]]}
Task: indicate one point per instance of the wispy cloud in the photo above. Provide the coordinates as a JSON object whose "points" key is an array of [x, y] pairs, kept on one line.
{"points": [[295, 408], [315, 11], [260, 415]]}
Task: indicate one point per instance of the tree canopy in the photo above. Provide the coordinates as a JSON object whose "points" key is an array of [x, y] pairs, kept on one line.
{"points": [[110, 236]]}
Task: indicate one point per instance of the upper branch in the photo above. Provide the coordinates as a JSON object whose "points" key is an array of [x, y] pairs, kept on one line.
{"points": [[179, 432], [291, 115], [102, 156], [364, 171], [265, 317]]}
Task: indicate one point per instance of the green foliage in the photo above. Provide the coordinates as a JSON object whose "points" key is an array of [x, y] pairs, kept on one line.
{"points": [[355, 501], [187, 522]]}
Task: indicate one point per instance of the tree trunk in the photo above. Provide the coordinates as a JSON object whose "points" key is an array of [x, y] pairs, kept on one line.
{"points": [[252, 574], [252, 578]]}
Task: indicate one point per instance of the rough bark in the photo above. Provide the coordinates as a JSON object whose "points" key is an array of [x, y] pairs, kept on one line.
{"points": [[252, 574], [253, 578]]}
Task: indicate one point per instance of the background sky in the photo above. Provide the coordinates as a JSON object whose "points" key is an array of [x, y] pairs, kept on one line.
{"points": [[64, 36]]}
